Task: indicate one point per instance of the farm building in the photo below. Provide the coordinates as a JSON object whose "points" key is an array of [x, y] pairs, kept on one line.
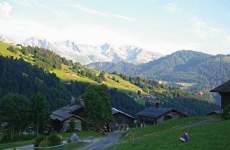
{"points": [[61, 118], [155, 115], [224, 91], [121, 118]]}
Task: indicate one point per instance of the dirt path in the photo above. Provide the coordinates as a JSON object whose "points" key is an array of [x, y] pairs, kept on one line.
{"points": [[109, 140]]}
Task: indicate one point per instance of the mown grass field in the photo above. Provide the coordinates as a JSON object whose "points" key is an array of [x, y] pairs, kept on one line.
{"points": [[165, 136]]}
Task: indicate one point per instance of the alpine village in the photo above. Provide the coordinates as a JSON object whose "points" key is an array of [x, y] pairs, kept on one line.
{"points": [[58, 94]]}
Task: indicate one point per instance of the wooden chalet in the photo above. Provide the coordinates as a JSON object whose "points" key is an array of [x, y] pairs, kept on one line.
{"points": [[60, 119], [224, 91], [121, 118], [216, 112], [155, 115]]}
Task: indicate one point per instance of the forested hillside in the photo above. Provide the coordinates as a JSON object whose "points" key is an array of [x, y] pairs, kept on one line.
{"points": [[64, 69], [192, 70], [21, 78], [31, 70]]}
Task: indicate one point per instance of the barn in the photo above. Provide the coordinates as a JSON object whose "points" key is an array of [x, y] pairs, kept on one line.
{"points": [[155, 115], [121, 119], [60, 119], [224, 91]]}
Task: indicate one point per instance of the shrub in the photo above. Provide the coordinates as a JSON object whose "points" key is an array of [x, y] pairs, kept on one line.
{"points": [[6, 137], [226, 112], [38, 140], [54, 139], [71, 127]]}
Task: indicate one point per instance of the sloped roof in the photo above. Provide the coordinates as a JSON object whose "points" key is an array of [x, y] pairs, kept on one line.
{"points": [[214, 112], [222, 88], [116, 111], [154, 112], [64, 112], [67, 112]]}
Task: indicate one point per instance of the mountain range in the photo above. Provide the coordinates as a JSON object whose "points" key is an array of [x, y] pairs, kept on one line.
{"points": [[186, 68], [196, 70], [26, 70], [86, 53]]}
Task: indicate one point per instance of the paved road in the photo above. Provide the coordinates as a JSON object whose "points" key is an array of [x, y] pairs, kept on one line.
{"points": [[95, 144], [109, 140], [28, 147]]}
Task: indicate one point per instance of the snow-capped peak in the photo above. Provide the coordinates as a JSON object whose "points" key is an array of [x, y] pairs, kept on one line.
{"points": [[6, 39], [33, 41], [86, 54]]}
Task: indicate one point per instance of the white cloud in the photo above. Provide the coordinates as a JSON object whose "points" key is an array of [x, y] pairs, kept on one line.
{"points": [[81, 33], [5, 9], [203, 29], [171, 7], [103, 14], [227, 38], [27, 3]]}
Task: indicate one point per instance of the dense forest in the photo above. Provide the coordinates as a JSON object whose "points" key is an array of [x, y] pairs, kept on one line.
{"points": [[18, 76]]}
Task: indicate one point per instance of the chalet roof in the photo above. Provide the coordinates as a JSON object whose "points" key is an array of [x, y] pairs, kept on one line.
{"points": [[116, 111], [64, 112], [154, 112], [216, 112], [67, 112], [222, 88]]}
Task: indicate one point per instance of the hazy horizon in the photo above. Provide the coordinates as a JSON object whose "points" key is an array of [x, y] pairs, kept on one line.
{"points": [[160, 26]]}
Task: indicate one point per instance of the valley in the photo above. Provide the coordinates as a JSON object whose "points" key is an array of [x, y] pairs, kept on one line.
{"points": [[114, 75], [26, 70], [196, 71]]}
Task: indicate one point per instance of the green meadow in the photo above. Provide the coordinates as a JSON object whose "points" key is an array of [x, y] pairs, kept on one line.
{"points": [[214, 135]]}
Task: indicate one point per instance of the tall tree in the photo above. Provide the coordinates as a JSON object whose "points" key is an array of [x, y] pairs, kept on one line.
{"points": [[97, 105], [14, 112], [39, 109]]}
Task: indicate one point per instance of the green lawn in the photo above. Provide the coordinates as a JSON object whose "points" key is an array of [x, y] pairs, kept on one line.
{"points": [[165, 136], [71, 146], [82, 135], [15, 144]]}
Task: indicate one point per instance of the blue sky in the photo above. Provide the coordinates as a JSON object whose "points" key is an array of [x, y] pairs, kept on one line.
{"points": [[157, 25]]}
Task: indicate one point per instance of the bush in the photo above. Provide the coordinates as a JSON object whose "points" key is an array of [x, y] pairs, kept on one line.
{"points": [[71, 127], [54, 139], [38, 140], [226, 112], [5, 137]]}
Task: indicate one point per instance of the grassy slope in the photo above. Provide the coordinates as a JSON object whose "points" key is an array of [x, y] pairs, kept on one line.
{"points": [[121, 84], [165, 136], [66, 74]]}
